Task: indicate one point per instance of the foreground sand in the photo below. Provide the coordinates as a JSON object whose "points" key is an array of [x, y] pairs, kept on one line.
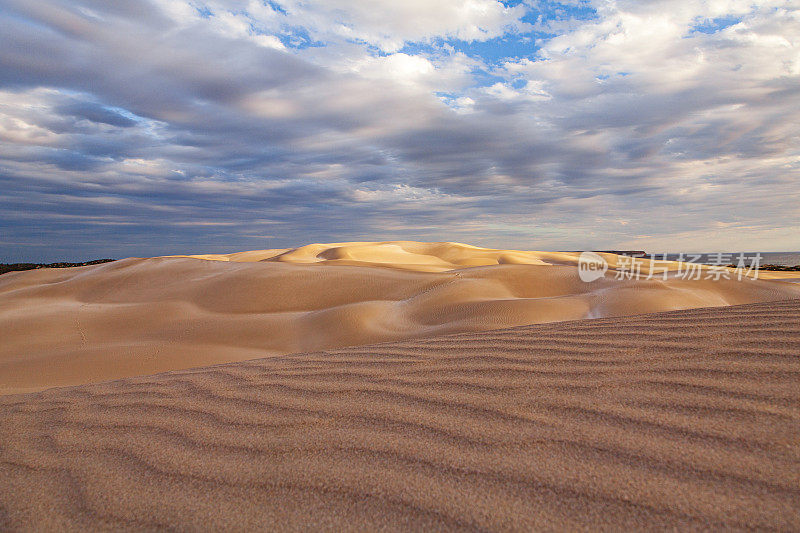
{"points": [[687, 419], [142, 316]]}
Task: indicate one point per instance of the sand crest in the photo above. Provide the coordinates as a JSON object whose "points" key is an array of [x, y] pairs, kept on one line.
{"points": [[142, 316]]}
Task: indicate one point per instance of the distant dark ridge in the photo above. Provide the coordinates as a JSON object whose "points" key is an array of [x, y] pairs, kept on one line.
{"points": [[11, 267], [780, 268], [644, 255], [632, 253]]}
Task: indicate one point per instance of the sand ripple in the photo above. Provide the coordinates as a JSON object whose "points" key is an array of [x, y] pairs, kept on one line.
{"points": [[687, 419]]}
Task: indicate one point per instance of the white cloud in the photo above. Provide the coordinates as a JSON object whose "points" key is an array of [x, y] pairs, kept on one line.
{"points": [[389, 24], [385, 24], [403, 68], [187, 110]]}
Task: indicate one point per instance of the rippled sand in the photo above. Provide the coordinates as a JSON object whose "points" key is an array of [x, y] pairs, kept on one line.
{"points": [[685, 419]]}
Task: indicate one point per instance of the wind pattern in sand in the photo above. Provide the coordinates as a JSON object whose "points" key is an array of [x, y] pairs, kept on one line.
{"points": [[687, 419]]}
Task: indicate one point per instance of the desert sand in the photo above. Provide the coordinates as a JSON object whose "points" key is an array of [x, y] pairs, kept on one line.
{"points": [[139, 316], [679, 420]]}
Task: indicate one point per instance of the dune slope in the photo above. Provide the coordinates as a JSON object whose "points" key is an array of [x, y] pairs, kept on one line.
{"points": [[142, 316], [686, 419]]}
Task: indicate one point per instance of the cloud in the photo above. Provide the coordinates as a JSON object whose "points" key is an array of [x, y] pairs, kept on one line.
{"points": [[168, 126], [388, 25]]}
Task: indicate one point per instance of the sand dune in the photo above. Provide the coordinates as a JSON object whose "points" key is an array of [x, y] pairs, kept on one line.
{"points": [[142, 316], [687, 419]]}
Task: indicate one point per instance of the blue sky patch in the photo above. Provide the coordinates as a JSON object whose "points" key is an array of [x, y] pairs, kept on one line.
{"points": [[709, 26]]}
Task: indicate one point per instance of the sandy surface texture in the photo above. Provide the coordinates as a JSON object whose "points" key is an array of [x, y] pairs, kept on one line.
{"points": [[686, 419], [142, 316]]}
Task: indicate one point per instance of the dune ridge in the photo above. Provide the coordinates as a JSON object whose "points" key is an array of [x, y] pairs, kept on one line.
{"points": [[686, 419], [142, 316]]}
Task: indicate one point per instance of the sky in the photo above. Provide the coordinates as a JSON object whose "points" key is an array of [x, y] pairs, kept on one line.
{"points": [[152, 127]]}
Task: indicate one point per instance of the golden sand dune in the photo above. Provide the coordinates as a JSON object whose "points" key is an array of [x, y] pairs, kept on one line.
{"points": [[142, 316], [405, 255], [687, 420]]}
